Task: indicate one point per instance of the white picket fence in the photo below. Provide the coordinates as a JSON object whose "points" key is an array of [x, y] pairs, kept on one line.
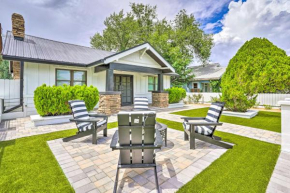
{"points": [[9, 89], [10, 92], [263, 98]]}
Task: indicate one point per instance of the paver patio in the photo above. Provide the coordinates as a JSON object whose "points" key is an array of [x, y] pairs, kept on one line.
{"points": [[81, 160], [91, 167]]}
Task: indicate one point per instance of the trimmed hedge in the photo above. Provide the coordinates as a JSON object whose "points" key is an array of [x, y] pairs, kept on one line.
{"points": [[176, 94], [53, 100]]}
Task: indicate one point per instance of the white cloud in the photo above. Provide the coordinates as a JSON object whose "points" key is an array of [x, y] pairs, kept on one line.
{"points": [[75, 21], [253, 18]]}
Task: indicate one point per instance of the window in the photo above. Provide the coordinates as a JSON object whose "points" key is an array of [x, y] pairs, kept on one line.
{"points": [[70, 77], [152, 83], [195, 85]]}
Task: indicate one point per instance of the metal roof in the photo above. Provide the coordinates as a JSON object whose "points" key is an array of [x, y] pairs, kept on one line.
{"points": [[43, 50], [208, 72]]}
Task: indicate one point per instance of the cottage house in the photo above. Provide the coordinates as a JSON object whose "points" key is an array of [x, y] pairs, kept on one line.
{"points": [[203, 74], [119, 76]]}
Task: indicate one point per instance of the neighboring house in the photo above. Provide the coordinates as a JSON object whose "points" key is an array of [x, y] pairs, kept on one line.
{"points": [[134, 72], [203, 75]]}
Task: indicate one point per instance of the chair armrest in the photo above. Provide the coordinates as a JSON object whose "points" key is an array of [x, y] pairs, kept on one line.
{"points": [[92, 120], [193, 118], [204, 124], [97, 115]]}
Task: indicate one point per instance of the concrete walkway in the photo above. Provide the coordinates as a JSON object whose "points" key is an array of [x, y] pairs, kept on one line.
{"points": [[280, 180]]}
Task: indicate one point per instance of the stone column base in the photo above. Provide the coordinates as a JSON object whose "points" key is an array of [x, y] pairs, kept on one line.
{"points": [[109, 103], [160, 99]]}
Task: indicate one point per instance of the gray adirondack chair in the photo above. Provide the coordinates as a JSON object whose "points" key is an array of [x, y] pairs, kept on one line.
{"points": [[137, 140], [205, 130], [87, 123]]}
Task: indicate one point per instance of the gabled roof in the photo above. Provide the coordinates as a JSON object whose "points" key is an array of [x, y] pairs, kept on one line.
{"points": [[145, 47], [208, 72], [36, 49], [43, 50]]}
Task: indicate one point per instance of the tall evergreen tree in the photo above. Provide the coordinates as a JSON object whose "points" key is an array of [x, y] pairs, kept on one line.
{"points": [[258, 67]]}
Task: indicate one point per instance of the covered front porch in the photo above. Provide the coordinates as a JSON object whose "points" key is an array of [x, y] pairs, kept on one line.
{"points": [[124, 82], [137, 72]]}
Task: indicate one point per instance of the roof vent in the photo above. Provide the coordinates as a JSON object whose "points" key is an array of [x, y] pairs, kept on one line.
{"points": [[18, 28]]}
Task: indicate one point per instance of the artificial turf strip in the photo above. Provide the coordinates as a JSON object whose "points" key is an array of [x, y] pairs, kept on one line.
{"points": [[245, 168], [28, 165], [270, 121]]}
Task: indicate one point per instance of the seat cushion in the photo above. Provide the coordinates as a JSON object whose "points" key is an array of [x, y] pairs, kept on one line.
{"points": [[79, 111], [141, 103], [204, 130], [102, 122], [214, 112], [84, 126]]}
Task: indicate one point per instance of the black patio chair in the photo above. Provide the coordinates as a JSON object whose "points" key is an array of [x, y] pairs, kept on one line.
{"points": [[205, 130], [87, 123], [137, 140]]}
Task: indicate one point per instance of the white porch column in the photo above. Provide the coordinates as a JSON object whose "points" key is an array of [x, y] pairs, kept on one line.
{"points": [[285, 124]]}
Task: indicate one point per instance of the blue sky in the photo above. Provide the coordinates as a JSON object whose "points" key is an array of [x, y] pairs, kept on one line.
{"points": [[231, 21]]}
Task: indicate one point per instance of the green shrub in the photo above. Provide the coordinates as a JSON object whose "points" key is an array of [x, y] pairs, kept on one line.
{"points": [[268, 107], [196, 98], [258, 67], [53, 100], [215, 99], [176, 94]]}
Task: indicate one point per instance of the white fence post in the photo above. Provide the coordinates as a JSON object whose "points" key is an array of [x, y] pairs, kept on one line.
{"points": [[285, 124]]}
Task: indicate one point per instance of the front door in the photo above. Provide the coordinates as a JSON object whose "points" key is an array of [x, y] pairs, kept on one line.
{"points": [[124, 83]]}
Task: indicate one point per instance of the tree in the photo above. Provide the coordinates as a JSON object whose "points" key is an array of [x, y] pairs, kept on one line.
{"points": [[178, 41], [258, 67], [4, 69], [215, 85], [119, 35]]}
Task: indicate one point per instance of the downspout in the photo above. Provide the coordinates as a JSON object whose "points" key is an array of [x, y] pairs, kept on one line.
{"points": [[21, 82]]}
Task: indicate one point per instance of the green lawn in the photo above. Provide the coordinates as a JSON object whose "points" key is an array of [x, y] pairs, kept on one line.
{"points": [[245, 168], [264, 120], [28, 165]]}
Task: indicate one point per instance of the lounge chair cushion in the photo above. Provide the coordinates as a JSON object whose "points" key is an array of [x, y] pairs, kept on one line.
{"points": [[204, 130], [213, 113], [141, 103]]}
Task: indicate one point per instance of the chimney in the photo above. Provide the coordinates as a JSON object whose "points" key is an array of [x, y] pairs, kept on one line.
{"points": [[18, 28]]}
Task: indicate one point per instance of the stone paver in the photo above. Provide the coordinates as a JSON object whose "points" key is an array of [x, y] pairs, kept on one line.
{"points": [[98, 173], [280, 180]]}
